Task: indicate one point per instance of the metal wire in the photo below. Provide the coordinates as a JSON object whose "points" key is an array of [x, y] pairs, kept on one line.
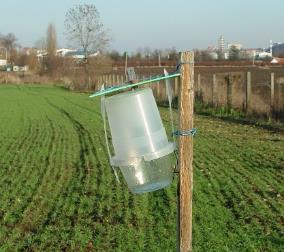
{"points": [[191, 132], [121, 87]]}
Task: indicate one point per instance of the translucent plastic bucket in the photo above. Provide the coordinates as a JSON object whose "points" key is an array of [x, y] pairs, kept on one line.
{"points": [[139, 139]]}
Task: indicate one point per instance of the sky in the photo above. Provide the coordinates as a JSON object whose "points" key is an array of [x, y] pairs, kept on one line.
{"points": [[133, 24]]}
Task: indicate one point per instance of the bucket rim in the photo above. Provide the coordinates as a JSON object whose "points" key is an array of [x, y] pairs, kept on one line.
{"points": [[129, 161], [120, 96]]}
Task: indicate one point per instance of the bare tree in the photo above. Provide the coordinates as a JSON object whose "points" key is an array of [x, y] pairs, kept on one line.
{"points": [[9, 42], [51, 41], [84, 29], [51, 62]]}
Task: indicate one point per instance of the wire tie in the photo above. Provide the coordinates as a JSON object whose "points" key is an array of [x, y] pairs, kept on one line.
{"points": [[192, 132]]}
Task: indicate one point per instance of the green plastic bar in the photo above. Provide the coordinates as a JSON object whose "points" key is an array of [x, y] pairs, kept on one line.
{"points": [[114, 89]]}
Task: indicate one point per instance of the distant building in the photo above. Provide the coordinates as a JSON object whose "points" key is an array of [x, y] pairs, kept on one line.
{"points": [[221, 44], [264, 55], [20, 68], [41, 53], [3, 62], [278, 50], [277, 61], [213, 55], [226, 55], [63, 51], [275, 50], [76, 54]]}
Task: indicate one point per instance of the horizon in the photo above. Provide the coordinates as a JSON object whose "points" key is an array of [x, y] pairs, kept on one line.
{"points": [[167, 24]]}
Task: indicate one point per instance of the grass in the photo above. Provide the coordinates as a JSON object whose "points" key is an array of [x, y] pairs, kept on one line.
{"points": [[57, 191]]}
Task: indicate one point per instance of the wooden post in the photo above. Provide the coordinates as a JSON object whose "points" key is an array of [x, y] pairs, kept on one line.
{"points": [[198, 85], [105, 80], [213, 90], [272, 88], [186, 103], [229, 90], [176, 87], [125, 67], [158, 91], [248, 91], [109, 79], [279, 104]]}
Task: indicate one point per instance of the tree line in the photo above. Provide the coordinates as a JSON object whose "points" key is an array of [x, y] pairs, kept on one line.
{"points": [[84, 30]]}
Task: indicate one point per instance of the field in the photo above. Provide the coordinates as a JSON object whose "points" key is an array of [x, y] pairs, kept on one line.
{"points": [[58, 193]]}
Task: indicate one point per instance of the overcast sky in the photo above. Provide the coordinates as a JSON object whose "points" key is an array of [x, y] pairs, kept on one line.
{"points": [[184, 24]]}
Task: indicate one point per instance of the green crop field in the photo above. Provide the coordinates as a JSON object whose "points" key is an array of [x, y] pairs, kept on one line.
{"points": [[58, 193]]}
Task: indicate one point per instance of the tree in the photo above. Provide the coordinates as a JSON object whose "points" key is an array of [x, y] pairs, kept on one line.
{"points": [[234, 53], [221, 55], [115, 55], [202, 55], [51, 41], [9, 42], [84, 29]]}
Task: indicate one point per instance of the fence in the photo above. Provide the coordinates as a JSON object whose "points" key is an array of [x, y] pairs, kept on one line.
{"points": [[239, 90]]}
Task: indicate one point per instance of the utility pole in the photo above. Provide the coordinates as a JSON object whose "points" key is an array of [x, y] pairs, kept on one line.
{"points": [[125, 67], [186, 103]]}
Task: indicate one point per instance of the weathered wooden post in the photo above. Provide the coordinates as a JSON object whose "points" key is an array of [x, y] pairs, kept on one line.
{"points": [[214, 90], [279, 103], [248, 91], [176, 87], [198, 85], [186, 103], [125, 66], [158, 91], [272, 92], [109, 79], [229, 90]]}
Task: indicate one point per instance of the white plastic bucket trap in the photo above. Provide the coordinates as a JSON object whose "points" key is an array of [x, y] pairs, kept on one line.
{"points": [[142, 150]]}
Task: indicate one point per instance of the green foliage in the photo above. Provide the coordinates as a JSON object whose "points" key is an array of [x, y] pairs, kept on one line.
{"points": [[223, 111], [58, 192]]}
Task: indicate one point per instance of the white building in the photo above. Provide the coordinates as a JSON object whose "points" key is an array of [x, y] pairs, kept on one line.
{"points": [[221, 44], [63, 51], [264, 55], [3, 62]]}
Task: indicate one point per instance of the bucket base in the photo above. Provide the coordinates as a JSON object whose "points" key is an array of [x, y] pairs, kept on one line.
{"points": [[150, 187], [147, 176]]}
